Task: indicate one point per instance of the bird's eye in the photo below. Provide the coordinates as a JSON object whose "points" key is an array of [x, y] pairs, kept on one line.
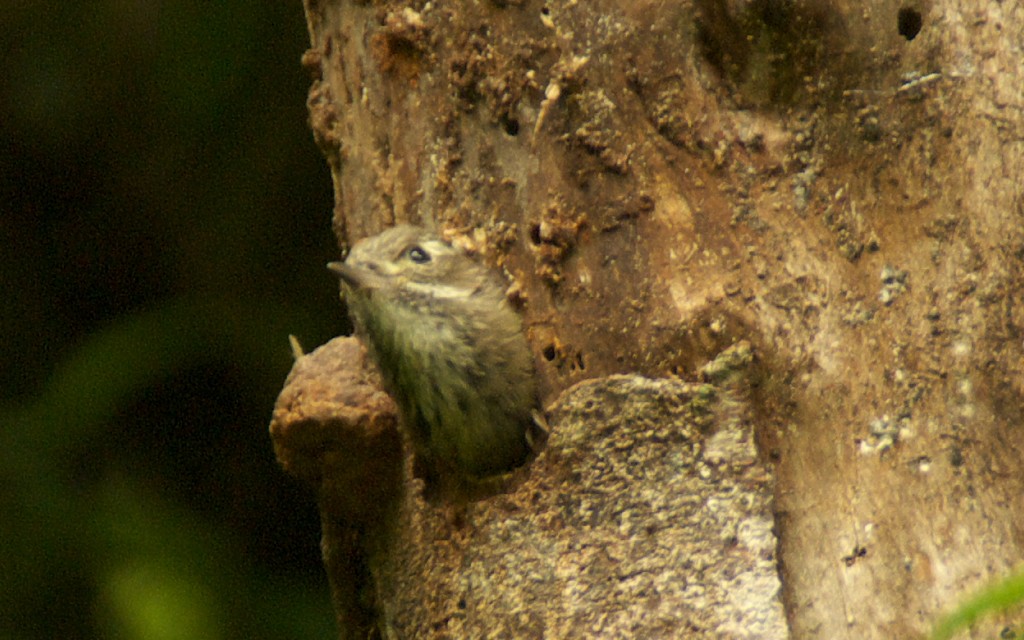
{"points": [[418, 255]]}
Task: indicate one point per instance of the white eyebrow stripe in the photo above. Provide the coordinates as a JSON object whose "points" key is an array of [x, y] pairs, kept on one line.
{"points": [[445, 291]]}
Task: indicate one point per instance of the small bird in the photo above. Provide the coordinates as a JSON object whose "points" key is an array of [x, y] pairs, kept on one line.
{"points": [[451, 350]]}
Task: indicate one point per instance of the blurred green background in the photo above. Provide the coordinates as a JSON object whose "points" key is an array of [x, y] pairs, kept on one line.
{"points": [[164, 224]]}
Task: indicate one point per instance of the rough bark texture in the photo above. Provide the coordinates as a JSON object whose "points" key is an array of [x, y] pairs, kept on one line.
{"points": [[633, 523], [337, 430], [662, 180]]}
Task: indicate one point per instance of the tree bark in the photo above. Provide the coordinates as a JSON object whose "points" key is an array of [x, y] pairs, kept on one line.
{"points": [[820, 199]]}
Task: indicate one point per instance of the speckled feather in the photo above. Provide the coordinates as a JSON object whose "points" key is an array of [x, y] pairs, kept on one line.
{"points": [[450, 348]]}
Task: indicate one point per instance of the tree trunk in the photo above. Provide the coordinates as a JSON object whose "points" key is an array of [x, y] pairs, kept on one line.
{"points": [[795, 227]]}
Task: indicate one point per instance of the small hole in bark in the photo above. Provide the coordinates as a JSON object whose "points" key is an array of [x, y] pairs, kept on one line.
{"points": [[908, 22], [535, 233], [511, 126], [549, 352], [956, 457]]}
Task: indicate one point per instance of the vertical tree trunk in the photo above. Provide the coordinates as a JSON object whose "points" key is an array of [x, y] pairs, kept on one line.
{"points": [[821, 199]]}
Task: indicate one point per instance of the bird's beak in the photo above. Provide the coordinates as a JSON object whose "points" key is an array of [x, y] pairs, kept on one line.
{"points": [[348, 275], [354, 277]]}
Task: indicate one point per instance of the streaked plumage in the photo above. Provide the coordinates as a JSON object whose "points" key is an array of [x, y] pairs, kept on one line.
{"points": [[451, 350]]}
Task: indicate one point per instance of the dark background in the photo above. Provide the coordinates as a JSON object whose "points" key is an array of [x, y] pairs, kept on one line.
{"points": [[164, 224]]}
